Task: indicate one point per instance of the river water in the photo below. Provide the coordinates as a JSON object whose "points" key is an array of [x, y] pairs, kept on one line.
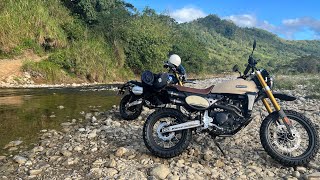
{"points": [[25, 112]]}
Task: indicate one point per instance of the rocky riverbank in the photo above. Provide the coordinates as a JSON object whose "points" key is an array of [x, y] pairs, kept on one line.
{"points": [[108, 147], [25, 81]]}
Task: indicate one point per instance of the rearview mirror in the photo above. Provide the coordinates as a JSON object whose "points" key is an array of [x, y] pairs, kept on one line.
{"points": [[235, 68]]}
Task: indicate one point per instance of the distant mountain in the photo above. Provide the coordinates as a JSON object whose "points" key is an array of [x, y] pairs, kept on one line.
{"points": [[229, 44]]}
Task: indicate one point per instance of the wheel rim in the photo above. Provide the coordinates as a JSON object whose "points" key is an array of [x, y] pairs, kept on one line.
{"points": [[166, 140], [283, 144]]}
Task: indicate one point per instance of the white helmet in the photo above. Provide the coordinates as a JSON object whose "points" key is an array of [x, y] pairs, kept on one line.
{"points": [[175, 60]]}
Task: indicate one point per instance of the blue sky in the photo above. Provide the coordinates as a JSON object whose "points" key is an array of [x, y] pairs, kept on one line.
{"points": [[295, 19]]}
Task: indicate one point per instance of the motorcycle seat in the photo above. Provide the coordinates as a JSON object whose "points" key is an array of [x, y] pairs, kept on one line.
{"points": [[194, 90]]}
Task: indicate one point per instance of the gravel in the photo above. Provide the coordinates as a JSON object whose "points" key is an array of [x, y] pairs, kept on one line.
{"points": [[110, 148]]}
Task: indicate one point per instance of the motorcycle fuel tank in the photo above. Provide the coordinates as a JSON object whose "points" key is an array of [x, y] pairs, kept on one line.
{"points": [[238, 86]]}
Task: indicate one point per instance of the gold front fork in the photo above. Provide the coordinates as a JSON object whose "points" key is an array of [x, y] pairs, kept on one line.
{"points": [[272, 99], [266, 104], [179, 81]]}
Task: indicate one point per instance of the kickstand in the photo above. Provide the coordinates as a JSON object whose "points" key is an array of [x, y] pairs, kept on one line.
{"points": [[217, 144]]}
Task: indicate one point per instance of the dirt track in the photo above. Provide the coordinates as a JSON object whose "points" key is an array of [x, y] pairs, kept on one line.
{"points": [[9, 67]]}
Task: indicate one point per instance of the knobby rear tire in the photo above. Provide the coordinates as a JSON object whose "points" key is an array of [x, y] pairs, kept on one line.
{"points": [[150, 142], [124, 112]]}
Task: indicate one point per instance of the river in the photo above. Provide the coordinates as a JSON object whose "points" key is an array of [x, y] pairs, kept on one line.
{"points": [[25, 112]]}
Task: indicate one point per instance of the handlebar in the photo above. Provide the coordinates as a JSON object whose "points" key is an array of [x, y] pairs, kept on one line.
{"points": [[251, 65]]}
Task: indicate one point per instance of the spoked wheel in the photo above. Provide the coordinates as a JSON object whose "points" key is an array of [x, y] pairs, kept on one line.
{"points": [[294, 150], [165, 145], [129, 111]]}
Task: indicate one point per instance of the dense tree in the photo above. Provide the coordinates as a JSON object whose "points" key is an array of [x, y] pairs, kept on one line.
{"points": [[148, 41]]}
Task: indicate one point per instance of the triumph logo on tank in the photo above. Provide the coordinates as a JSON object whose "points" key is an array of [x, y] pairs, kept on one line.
{"points": [[241, 86]]}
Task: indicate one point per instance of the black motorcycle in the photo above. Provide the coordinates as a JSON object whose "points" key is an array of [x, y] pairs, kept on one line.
{"points": [[148, 92], [224, 109]]}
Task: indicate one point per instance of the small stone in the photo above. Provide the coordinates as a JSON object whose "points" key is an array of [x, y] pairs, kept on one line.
{"points": [[66, 124], [78, 148], [53, 158], [88, 116], [92, 134], [37, 149], [13, 144], [161, 171], [82, 130], [35, 172], [207, 155], [66, 153], [313, 165], [60, 107], [94, 149], [98, 163], [28, 163], [301, 169], [96, 171], [116, 124], [313, 176], [110, 172], [93, 119], [2, 158], [290, 178], [120, 152], [112, 163], [72, 161], [52, 116], [13, 149], [296, 174], [271, 174], [19, 159], [173, 177], [219, 163]]}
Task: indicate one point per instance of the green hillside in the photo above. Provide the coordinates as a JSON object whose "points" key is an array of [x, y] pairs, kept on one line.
{"points": [[107, 40]]}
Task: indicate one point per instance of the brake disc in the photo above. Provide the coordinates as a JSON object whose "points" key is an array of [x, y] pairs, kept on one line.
{"points": [[164, 136], [283, 142]]}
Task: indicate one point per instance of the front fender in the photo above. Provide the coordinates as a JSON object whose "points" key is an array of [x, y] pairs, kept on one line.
{"points": [[281, 96]]}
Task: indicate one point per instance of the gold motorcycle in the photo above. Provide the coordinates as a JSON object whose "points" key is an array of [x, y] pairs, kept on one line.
{"points": [[223, 110]]}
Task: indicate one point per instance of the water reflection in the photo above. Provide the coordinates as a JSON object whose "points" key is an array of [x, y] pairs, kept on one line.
{"points": [[24, 112]]}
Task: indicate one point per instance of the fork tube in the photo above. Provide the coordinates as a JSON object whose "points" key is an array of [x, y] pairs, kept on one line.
{"points": [[266, 104], [268, 91], [273, 100], [179, 81]]}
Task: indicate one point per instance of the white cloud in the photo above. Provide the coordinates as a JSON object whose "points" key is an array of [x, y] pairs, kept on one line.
{"points": [[187, 14], [248, 20], [304, 22], [243, 20], [288, 28]]}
